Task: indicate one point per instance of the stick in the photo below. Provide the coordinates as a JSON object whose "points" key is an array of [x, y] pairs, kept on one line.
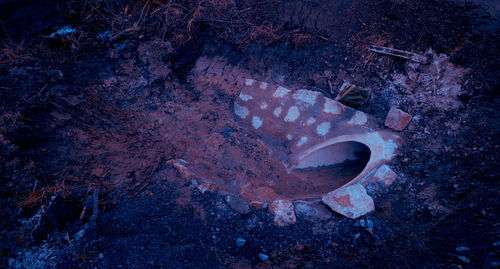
{"points": [[401, 54]]}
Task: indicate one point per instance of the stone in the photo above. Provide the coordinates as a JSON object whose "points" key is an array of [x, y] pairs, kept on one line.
{"points": [[180, 166], [55, 74], [204, 187], [237, 204], [397, 119], [464, 259], [385, 175], [311, 211], [240, 242], [352, 201], [283, 212], [263, 257]]}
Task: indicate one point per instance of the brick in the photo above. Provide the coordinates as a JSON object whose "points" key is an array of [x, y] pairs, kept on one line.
{"points": [[397, 119]]}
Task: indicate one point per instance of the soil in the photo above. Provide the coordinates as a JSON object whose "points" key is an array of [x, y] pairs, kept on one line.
{"points": [[92, 120]]}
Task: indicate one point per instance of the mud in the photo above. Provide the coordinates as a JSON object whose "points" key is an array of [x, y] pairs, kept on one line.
{"points": [[93, 131]]}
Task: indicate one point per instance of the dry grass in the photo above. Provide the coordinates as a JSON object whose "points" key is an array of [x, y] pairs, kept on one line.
{"points": [[12, 53], [183, 21], [38, 197]]}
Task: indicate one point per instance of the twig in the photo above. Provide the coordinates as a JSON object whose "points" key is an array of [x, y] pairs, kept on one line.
{"points": [[95, 212], [125, 32], [401, 54], [145, 184], [142, 11]]}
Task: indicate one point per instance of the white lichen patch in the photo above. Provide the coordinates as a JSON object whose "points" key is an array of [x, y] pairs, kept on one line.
{"points": [[256, 122], [245, 97], [302, 141], [308, 97], [390, 149], [289, 136], [263, 85], [263, 105], [323, 128], [310, 121], [281, 92], [277, 111], [359, 118], [388, 146], [249, 82], [240, 111], [332, 107], [293, 113]]}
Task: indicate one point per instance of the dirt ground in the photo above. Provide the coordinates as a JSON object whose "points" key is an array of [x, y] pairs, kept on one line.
{"points": [[91, 119]]}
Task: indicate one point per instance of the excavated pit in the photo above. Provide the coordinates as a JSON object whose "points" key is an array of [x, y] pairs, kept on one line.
{"points": [[308, 146]]}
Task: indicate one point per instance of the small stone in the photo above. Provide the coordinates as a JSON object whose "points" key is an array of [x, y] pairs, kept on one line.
{"points": [[55, 74], [240, 242], [352, 201], [464, 259], [101, 256], [311, 211], [237, 204], [204, 187], [81, 233], [283, 212], [495, 264], [385, 175], [397, 119], [462, 249], [360, 222], [369, 224], [263, 257]]}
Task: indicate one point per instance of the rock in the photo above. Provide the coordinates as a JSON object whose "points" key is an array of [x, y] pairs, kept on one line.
{"points": [[495, 264], [369, 224], [462, 249], [352, 201], [55, 74], [203, 187], [257, 204], [263, 257], [464, 259], [240, 242], [180, 165], [283, 212], [385, 175], [397, 119], [101, 256], [352, 95], [237, 204], [311, 211]]}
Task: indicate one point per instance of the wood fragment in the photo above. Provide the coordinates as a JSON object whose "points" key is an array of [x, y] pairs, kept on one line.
{"points": [[401, 54], [127, 32]]}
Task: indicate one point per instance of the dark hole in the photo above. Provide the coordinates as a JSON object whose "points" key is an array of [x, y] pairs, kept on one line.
{"points": [[333, 166]]}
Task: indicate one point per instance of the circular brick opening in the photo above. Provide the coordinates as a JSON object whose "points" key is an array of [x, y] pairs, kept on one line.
{"points": [[336, 164]]}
